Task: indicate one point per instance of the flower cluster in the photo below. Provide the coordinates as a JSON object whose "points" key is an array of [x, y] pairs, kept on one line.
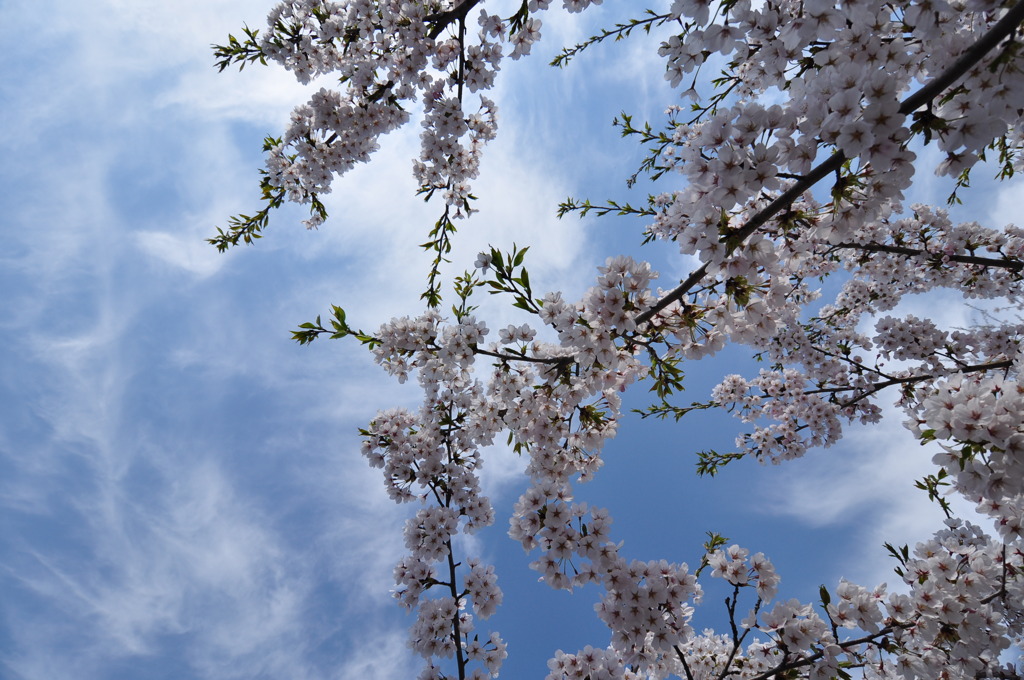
{"points": [[813, 89], [387, 54], [845, 67], [981, 416], [827, 368], [733, 566]]}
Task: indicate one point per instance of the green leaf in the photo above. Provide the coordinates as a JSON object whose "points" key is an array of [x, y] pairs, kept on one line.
{"points": [[518, 260]]}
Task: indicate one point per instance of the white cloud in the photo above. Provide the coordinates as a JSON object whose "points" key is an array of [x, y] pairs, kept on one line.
{"points": [[1008, 205], [366, 538], [152, 543], [186, 252], [377, 656], [205, 566], [259, 95]]}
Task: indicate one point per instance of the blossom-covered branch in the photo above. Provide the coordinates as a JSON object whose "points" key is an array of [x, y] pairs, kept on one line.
{"points": [[810, 90]]}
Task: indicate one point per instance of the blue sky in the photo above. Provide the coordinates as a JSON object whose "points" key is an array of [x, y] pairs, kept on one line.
{"points": [[181, 493]]}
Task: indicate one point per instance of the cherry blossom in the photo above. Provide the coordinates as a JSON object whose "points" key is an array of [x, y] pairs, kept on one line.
{"points": [[835, 96]]}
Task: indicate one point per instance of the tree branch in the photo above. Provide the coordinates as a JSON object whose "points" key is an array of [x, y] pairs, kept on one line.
{"points": [[442, 20], [515, 357], [456, 629], [682, 660], [807, 660], [879, 386], [985, 44], [1005, 263]]}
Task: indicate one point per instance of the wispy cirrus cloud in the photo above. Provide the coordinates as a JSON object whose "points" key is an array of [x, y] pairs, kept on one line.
{"points": [[170, 503]]}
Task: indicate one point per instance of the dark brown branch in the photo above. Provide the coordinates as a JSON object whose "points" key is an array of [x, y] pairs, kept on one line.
{"points": [[682, 660], [834, 163], [858, 366], [985, 44], [442, 20], [516, 357], [456, 628], [807, 660], [1004, 263], [879, 386], [737, 640], [1003, 28], [1001, 593]]}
